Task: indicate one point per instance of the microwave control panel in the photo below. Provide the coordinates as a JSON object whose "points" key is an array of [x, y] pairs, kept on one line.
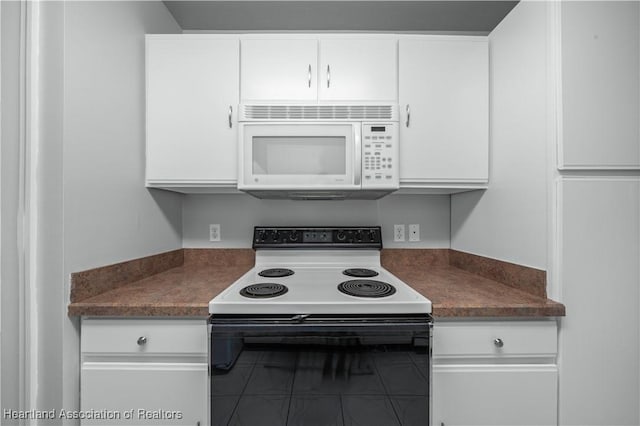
{"points": [[380, 155]]}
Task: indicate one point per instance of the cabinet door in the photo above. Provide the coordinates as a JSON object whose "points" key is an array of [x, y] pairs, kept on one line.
{"points": [[600, 85], [599, 227], [444, 89], [177, 392], [279, 70], [494, 395], [192, 86], [358, 70]]}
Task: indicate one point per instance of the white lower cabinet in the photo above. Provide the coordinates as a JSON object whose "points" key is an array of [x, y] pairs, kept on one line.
{"points": [[155, 372], [144, 372], [494, 395], [495, 373], [146, 393]]}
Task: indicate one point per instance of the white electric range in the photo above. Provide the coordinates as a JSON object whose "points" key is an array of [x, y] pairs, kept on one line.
{"points": [[309, 271], [317, 333]]}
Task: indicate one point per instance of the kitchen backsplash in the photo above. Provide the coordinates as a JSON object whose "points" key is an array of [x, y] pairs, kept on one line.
{"points": [[238, 214]]}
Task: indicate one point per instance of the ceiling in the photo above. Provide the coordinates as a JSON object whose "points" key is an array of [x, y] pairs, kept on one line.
{"points": [[448, 17]]}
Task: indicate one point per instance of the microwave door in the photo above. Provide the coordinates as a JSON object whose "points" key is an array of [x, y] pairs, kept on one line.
{"points": [[298, 156]]}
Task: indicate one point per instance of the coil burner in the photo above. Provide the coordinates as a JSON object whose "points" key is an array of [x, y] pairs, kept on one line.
{"points": [[263, 290], [276, 273], [366, 288], [360, 272]]}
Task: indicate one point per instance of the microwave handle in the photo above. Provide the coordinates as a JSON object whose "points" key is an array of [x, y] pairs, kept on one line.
{"points": [[357, 143]]}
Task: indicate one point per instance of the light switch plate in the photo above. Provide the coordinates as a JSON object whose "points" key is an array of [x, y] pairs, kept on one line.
{"points": [[414, 232]]}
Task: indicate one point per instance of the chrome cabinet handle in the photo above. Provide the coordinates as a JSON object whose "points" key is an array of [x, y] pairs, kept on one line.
{"points": [[309, 75], [230, 114], [498, 342], [408, 115], [328, 76], [142, 340]]}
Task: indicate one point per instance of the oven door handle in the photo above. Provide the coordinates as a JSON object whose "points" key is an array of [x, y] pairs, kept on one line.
{"points": [[299, 318], [307, 324]]}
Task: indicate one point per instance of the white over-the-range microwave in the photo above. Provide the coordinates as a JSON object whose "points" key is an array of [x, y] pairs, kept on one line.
{"points": [[318, 152]]}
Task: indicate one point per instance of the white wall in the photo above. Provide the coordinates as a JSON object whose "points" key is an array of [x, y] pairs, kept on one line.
{"points": [[509, 220], [238, 214], [49, 260], [9, 155], [109, 216]]}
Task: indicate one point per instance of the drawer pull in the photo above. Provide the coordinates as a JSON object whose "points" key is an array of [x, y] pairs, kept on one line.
{"points": [[498, 342], [142, 340]]}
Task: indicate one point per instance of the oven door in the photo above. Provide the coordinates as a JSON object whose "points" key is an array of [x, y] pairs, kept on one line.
{"points": [[320, 371], [300, 156]]}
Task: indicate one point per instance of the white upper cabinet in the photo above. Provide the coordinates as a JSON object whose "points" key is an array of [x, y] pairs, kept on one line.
{"points": [[195, 83], [444, 99], [600, 85], [361, 69], [279, 70], [357, 69], [192, 95]]}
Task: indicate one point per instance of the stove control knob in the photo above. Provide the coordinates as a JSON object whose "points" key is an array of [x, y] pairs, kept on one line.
{"points": [[262, 236], [341, 236], [372, 235], [276, 236], [358, 235], [294, 236]]}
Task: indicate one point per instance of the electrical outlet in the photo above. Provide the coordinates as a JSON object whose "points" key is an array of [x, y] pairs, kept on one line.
{"points": [[398, 233], [414, 232], [214, 232]]}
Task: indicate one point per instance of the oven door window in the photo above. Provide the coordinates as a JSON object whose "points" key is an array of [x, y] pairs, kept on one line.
{"points": [[320, 379]]}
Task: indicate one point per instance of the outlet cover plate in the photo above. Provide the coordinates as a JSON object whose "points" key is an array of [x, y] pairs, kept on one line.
{"points": [[214, 232], [398, 233], [414, 232]]}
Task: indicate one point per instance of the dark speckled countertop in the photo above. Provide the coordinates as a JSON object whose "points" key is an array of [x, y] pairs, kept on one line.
{"points": [[182, 282]]}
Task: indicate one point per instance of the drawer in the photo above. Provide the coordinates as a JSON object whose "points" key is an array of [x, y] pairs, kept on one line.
{"points": [[495, 339], [156, 336]]}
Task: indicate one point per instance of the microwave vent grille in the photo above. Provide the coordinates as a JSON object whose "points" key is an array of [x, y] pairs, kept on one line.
{"points": [[317, 112]]}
